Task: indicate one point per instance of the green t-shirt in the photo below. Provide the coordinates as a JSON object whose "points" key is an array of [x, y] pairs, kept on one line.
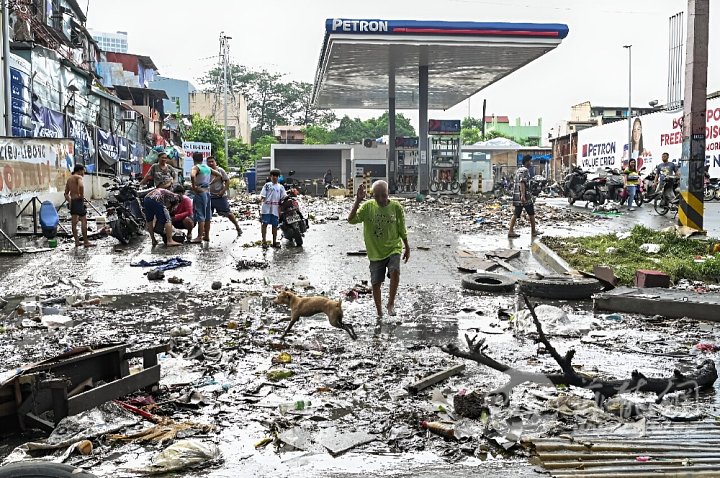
{"points": [[633, 177], [383, 229]]}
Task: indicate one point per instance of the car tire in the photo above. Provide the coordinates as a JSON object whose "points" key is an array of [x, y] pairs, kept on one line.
{"points": [[560, 288], [41, 469], [489, 282]]}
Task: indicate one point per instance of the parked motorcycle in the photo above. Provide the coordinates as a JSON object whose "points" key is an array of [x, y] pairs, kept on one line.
{"points": [[712, 189], [669, 199], [650, 191], [538, 184], [614, 185], [291, 183], [125, 214], [577, 187], [639, 192], [292, 223]]}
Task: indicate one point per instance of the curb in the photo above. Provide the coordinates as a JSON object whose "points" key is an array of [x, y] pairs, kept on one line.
{"points": [[550, 259]]}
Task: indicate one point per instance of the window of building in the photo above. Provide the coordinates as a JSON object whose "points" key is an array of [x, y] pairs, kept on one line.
{"points": [[174, 99]]}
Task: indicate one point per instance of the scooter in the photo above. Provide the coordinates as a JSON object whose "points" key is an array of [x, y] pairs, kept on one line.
{"points": [[292, 223], [615, 184], [669, 199], [576, 187], [49, 219], [125, 214], [291, 183], [639, 193]]}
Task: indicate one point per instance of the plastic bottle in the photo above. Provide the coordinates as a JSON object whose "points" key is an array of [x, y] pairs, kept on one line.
{"points": [[297, 405], [438, 428]]}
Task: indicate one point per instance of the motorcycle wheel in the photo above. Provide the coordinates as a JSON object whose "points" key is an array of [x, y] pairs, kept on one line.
{"points": [[434, 186], [638, 200], [120, 232], [708, 194], [717, 194], [661, 206], [297, 235], [455, 187], [571, 200], [600, 200]]}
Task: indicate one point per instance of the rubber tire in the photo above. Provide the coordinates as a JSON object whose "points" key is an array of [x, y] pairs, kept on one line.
{"points": [[41, 469], [660, 209], [571, 200], [434, 186], [489, 282], [455, 187], [638, 200], [601, 200], [299, 240], [559, 288], [121, 233], [708, 194], [717, 194]]}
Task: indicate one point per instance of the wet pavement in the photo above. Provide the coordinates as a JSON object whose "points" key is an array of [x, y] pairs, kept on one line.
{"points": [[356, 385]]}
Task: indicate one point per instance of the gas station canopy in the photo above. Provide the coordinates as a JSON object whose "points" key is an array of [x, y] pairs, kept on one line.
{"points": [[359, 57]]}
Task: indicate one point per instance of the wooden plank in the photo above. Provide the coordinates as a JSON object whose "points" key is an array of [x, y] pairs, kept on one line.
{"points": [[435, 378], [113, 390], [505, 254]]}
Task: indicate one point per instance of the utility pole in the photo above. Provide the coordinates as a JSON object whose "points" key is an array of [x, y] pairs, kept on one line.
{"points": [[692, 164], [629, 111], [5, 100], [224, 50]]}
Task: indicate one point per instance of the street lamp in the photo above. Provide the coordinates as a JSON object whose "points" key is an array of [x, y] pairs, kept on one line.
{"points": [[629, 111]]}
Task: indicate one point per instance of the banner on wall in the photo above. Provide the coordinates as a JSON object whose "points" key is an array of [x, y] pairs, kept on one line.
{"points": [[108, 150], [191, 147], [32, 166], [652, 135], [47, 123], [84, 142]]}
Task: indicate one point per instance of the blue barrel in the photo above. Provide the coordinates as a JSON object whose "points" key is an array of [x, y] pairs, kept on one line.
{"points": [[250, 180]]}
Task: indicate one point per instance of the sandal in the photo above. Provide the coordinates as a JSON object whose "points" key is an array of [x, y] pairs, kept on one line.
{"points": [[513, 235], [537, 233]]}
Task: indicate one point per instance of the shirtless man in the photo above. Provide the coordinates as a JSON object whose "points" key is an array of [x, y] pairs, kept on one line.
{"points": [[75, 197]]}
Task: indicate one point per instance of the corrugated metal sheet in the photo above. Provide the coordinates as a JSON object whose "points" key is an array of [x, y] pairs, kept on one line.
{"points": [[657, 449]]}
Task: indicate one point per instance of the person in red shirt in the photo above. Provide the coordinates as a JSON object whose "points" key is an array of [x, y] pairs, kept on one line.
{"points": [[183, 217]]}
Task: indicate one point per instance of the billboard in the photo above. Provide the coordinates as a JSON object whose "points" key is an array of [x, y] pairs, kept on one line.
{"points": [[191, 147], [652, 135], [31, 166]]}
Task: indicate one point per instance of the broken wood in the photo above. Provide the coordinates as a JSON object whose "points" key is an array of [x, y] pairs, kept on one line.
{"points": [[704, 376], [435, 378]]}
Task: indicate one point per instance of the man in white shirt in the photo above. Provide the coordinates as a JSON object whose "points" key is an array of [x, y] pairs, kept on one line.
{"points": [[271, 196]]}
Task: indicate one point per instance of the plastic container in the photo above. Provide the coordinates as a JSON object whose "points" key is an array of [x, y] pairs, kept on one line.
{"points": [[297, 405], [52, 243]]}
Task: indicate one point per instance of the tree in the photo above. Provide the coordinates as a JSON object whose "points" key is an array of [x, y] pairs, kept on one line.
{"points": [[261, 148], [470, 135], [306, 113], [240, 154], [354, 130], [205, 130], [318, 135], [470, 123]]}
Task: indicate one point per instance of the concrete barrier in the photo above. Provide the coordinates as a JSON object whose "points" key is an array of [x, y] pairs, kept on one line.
{"points": [[550, 259]]}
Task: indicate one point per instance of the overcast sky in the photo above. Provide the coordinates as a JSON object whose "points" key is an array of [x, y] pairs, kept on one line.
{"points": [[285, 36]]}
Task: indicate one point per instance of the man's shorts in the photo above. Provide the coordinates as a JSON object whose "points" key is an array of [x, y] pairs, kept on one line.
{"points": [[271, 219], [378, 268], [156, 210], [202, 211], [221, 205], [179, 224], [529, 207], [77, 207]]}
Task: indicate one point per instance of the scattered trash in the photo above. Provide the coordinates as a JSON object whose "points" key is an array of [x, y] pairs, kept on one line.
{"points": [[435, 378], [612, 317], [163, 264], [216, 285], [156, 274], [650, 248], [175, 280], [243, 264], [706, 347], [183, 454], [438, 428], [277, 375]]}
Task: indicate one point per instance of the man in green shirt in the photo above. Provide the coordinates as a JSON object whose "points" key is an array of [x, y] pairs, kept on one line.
{"points": [[384, 233]]}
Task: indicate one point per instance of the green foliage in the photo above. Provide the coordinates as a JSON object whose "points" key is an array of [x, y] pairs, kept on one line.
{"points": [[240, 154], [472, 123], [205, 130], [270, 100], [318, 135], [354, 130], [470, 135], [261, 148], [676, 258]]}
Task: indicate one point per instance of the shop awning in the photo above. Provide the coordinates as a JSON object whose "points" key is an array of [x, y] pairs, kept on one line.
{"points": [[358, 58]]}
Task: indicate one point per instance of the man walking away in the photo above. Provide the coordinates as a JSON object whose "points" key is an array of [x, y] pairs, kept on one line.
{"points": [[218, 194], [271, 196], [201, 175], [182, 218], [75, 197], [385, 234], [522, 198]]}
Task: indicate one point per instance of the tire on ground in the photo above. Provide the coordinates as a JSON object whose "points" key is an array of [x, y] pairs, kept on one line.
{"points": [[559, 288], [489, 282], [40, 469]]}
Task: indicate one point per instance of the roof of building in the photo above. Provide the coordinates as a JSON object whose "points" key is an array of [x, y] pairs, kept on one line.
{"points": [[499, 119], [360, 58]]}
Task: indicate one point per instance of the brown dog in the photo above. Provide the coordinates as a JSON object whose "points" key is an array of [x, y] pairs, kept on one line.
{"points": [[307, 306]]}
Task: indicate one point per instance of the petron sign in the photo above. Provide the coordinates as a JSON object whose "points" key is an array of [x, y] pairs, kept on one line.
{"points": [[420, 27]]}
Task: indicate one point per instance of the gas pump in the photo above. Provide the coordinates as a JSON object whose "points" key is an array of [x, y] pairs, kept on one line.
{"points": [[406, 159], [444, 156]]}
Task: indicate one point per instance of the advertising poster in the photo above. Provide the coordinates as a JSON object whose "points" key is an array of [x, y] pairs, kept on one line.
{"points": [[652, 135], [47, 123], [31, 166], [191, 147], [84, 143]]}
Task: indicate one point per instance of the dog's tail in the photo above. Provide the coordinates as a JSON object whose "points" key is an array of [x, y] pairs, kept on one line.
{"points": [[339, 303]]}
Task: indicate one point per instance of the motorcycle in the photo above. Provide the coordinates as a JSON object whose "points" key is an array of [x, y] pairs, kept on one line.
{"points": [[615, 185], [669, 199], [125, 214], [650, 188], [292, 223], [538, 184], [291, 183], [712, 189], [577, 187], [639, 192]]}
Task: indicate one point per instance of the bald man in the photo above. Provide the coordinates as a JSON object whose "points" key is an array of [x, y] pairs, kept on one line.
{"points": [[385, 234]]}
